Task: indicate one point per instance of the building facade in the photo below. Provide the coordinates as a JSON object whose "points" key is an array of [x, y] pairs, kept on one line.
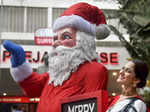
{"points": [[20, 19]]}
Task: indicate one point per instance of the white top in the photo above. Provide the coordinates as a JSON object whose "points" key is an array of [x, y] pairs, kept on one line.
{"points": [[139, 105]]}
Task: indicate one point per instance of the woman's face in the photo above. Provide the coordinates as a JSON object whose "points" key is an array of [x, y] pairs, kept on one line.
{"points": [[127, 76]]}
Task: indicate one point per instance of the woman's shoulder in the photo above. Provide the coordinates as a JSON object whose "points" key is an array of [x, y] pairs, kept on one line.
{"points": [[140, 105]]}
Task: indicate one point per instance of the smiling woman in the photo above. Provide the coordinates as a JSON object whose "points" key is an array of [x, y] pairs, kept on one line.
{"points": [[132, 76], [127, 77]]}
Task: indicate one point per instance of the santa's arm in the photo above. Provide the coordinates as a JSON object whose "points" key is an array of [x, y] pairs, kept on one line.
{"points": [[34, 84], [20, 68]]}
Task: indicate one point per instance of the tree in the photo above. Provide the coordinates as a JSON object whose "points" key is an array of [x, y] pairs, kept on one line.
{"points": [[135, 17]]}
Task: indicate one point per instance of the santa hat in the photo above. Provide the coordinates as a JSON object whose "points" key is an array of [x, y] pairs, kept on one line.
{"points": [[85, 18]]}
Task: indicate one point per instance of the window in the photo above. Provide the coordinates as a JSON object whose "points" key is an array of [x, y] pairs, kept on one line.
{"points": [[21, 19], [12, 19], [36, 18], [57, 12]]}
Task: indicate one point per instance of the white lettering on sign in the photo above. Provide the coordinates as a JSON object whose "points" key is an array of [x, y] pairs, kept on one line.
{"points": [[82, 108], [43, 40], [43, 36]]}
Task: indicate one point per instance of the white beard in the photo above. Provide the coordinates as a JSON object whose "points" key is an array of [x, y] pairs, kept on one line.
{"points": [[63, 60]]}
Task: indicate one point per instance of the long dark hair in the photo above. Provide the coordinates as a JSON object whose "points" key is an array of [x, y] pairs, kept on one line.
{"points": [[141, 70]]}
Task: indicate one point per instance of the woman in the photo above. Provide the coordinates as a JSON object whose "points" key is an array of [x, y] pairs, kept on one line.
{"points": [[132, 76]]}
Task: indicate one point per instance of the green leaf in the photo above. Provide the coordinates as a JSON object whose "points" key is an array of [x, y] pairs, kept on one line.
{"points": [[140, 20]]}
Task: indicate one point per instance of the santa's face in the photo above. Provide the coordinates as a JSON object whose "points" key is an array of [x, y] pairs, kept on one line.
{"points": [[70, 49], [65, 37]]}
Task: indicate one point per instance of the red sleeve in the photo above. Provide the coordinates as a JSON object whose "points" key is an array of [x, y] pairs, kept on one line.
{"points": [[113, 100], [34, 84], [96, 77]]}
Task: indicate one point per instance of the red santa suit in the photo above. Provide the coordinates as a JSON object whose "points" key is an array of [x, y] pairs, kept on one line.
{"points": [[90, 76]]}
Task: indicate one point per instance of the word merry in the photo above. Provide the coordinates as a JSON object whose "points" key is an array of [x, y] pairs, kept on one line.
{"points": [[82, 108]]}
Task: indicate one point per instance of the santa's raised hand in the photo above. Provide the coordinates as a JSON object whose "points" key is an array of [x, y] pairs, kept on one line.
{"points": [[16, 51], [20, 69]]}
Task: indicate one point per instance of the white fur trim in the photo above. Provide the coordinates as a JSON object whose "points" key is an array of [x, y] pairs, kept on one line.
{"points": [[102, 31], [21, 72], [76, 22]]}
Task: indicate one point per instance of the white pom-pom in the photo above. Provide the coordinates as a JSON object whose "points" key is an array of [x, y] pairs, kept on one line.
{"points": [[102, 31]]}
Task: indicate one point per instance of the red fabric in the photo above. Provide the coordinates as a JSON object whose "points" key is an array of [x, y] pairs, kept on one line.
{"points": [[113, 100], [90, 13], [34, 84], [91, 76]]}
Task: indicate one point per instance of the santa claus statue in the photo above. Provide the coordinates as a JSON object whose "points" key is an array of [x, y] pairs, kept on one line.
{"points": [[73, 62]]}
